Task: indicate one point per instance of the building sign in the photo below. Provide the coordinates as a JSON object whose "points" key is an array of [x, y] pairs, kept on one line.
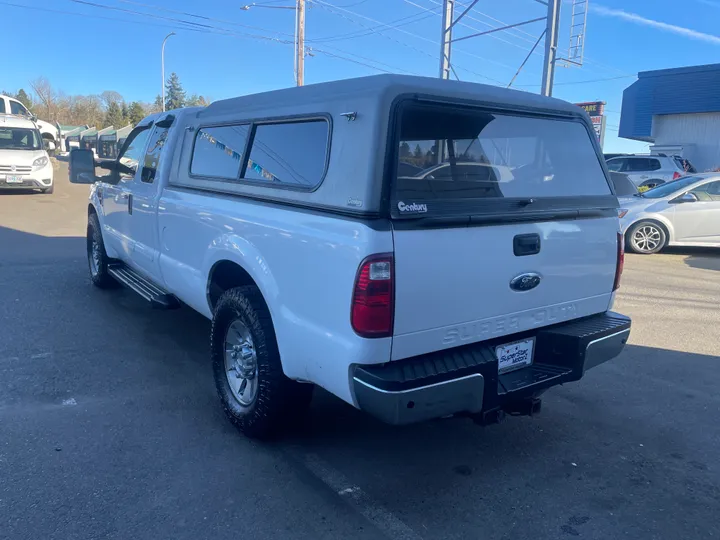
{"points": [[596, 110]]}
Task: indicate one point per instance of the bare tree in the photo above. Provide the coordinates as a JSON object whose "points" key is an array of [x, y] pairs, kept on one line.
{"points": [[111, 96], [47, 96]]}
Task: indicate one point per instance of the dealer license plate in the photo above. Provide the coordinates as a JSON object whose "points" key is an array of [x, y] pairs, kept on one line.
{"points": [[13, 179], [515, 355]]}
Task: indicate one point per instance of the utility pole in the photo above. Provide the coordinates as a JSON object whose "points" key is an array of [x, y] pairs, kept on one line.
{"points": [[299, 54], [300, 42], [551, 45], [446, 37]]}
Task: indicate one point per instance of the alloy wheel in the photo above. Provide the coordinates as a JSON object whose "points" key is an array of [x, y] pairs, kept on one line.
{"points": [[647, 238]]}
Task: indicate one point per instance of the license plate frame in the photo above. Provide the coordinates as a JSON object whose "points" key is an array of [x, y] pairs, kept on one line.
{"points": [[504, 352], [13, 179]]}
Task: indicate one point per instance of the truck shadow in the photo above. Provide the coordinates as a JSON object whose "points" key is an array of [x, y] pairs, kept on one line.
{"points": [[696, 257], [25, 247], [602, 445]]}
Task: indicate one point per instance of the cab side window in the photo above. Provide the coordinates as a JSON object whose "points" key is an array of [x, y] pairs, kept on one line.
{"points": [[130, 157], [18, 108], [152, 156], [2, 106]]}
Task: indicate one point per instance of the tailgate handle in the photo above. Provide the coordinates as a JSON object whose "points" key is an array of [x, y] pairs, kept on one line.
{"points": [[526, 244]]}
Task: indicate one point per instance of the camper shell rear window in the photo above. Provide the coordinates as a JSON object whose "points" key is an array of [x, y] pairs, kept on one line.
{"points": [[459, 160]]}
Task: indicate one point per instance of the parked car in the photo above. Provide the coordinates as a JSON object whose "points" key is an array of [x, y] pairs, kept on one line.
{"points": [[624, 188], [283, 218], [648, 171], [685, 212], [24, 163]]}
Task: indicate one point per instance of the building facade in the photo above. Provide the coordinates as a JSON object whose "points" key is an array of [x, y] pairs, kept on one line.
{"points": [[677, 111]]}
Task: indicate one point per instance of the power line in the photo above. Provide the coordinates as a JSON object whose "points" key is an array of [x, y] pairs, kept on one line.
{"points": [[465, 25], [188, 14], [584, 82], [512, 32], [225, 32], [332, 8], [530, 39], [350, 60], [114, 19], [417, 17]]}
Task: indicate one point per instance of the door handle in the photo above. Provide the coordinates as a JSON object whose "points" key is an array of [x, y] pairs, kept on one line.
{"points": [[526, 244], [130, 203]]}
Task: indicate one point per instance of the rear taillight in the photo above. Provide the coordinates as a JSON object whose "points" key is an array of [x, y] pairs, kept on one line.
{"points": [[620, 260], [676, 175], [373, 297]]}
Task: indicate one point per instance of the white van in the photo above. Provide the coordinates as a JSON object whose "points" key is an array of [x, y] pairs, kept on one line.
{"points": [[24, 162]]}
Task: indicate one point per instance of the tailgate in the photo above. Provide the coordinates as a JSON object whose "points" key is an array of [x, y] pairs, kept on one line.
{"points": [[453, 286], [506, 223]]}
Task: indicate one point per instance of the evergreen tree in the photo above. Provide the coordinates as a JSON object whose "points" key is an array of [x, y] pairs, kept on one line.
{"points": [[196, 100], [23, 98], [404, 150], [135, 113], [156, 106], [114, 116], [125, 115], [418, 155], [174, 93]]}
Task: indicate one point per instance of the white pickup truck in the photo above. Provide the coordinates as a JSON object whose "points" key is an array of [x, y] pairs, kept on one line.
{"points": [[419, 248]]}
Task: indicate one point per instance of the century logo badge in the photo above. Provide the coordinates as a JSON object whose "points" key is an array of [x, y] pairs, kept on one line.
{"points": [[525, 282], [412, 207]]}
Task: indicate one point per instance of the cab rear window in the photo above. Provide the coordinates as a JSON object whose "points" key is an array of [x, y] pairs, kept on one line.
{"points": [[448, 153]]}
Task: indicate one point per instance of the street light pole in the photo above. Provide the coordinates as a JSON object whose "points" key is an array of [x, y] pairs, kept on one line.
{"points": [[162, 67]]}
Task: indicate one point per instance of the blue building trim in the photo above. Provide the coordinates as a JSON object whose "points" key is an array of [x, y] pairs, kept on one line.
{"points": [[687, 90]]}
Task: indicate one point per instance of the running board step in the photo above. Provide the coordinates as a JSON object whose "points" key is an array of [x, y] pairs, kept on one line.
{"points": [[157, 297]]}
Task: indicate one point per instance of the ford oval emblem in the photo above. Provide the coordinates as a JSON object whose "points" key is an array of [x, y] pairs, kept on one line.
{"points": [[525, 282]]}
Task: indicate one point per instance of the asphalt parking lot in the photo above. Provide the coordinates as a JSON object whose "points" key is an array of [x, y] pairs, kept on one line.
{"points": [[110, 427]]}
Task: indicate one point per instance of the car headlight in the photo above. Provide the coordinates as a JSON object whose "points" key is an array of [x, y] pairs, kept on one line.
{"points": [[39, 163], [622, 212]]}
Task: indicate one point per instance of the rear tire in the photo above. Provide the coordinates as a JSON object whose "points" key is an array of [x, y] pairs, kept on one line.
{"points": [[646, 238], [267, 402], [97, 257]]}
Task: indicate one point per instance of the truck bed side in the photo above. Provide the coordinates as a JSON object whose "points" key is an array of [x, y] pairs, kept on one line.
{"points": [[304, 263]]}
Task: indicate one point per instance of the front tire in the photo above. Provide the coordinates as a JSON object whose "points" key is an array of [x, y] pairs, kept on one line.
{"points": [[50, 190], [97, 257], [255, 393], [646, 238]]}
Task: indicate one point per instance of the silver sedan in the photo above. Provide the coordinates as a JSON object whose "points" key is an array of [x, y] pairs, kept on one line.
{"points": [[684, 212]]}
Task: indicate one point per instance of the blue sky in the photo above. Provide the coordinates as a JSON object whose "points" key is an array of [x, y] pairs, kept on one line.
{"points": [[115, 45]]}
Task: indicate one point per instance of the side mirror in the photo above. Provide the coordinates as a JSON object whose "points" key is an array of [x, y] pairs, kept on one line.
{"points": [[82, 167], [49, 145], [686, 198]]}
